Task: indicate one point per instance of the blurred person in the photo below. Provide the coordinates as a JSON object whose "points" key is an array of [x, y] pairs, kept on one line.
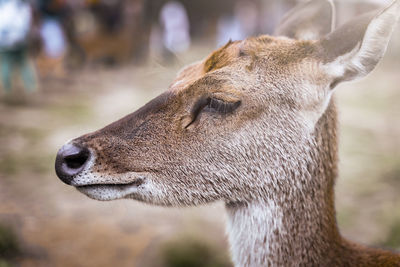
{"points": [[58, 33], [53, 38], [109, 13], [15, 24], [117, 31], [110, 42], [175, 25]]}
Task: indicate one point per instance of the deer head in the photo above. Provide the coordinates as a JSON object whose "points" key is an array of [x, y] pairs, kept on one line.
{"points": [[237, 126]]}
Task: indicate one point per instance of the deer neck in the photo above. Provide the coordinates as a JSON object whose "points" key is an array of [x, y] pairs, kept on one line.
{"points": [[299, 228]]}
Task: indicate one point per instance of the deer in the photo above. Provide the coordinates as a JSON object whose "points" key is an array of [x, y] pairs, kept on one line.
{"points": [[253, 125]]}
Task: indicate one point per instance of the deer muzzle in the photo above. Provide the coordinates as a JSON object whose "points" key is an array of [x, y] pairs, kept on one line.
{"points": [[71, 160]]}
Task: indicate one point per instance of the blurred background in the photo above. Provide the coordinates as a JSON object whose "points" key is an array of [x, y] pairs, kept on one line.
{"points": [[68, 67]]}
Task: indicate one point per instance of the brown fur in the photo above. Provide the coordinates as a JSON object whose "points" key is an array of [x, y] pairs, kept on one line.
{"points": [[273, 158], [158, 138]]}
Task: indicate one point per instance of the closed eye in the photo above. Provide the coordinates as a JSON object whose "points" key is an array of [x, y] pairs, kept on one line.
{"points": [[213, 105], [221, 106]]}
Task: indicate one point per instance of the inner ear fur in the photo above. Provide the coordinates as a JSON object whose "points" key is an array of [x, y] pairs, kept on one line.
{"points": [[353, 50]]}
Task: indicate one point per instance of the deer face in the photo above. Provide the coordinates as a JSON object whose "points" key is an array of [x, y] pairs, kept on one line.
{"points": [[210, 135], [232, 127]]}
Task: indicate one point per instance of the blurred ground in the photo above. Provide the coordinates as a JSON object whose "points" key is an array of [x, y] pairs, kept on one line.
{"points": [[57, 226], [368, 188]]}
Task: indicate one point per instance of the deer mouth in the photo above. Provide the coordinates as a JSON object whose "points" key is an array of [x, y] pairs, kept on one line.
{"points": [[110, 191], [137, 182]]}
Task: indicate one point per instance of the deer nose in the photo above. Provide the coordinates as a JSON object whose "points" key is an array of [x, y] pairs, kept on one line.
{"points": [[71, 160]]}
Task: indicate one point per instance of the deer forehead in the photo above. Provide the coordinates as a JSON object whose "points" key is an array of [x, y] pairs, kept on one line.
{"points": [[256, 67]]}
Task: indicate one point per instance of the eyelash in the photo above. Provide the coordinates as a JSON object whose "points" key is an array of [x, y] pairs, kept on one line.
{"points": [[215, 105], [220, 106]]}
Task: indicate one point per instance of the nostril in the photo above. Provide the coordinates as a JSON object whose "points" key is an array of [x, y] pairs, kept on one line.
{"points": [[71, 160], [75, 161]]}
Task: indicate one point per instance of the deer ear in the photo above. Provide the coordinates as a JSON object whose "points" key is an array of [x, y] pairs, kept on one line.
{"points": [[353, 50], [308, 21]]}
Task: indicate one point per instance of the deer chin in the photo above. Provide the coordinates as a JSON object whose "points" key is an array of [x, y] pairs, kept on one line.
{"points": [[110, 191], [109, 187]]}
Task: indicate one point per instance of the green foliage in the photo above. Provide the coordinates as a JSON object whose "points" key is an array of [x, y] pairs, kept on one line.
{"points": [[9, 247], [393, 238], [11, 164], [193, 253], [29, 158], [76, 111], [4, 263]]}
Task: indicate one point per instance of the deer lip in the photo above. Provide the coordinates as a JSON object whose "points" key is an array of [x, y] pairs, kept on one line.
{"points": [[136, 183]]}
